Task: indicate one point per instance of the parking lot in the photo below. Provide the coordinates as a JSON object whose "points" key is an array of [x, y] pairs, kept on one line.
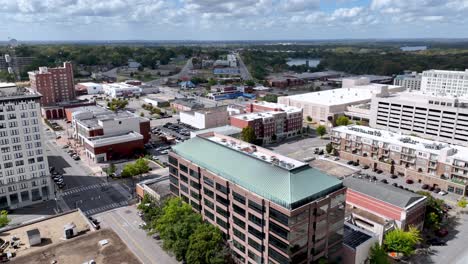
{"points": [[299, 148]]}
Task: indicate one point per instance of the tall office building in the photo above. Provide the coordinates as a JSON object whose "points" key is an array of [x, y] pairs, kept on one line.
{"points": [[24, 169], [56, 85], [410, 81], [272, 209], [439, 82]]}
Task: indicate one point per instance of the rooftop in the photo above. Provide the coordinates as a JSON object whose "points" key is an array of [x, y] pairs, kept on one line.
{"points": [[223, 130], [411, 142], [222, 108], [188, 103], [257, 115], [287, 182], [343, 95], [102, 115], [354, 236], [120, 86], [278, 106], [9, 91], [424, 97], [383, 192], [105, 140], [158, 186]]}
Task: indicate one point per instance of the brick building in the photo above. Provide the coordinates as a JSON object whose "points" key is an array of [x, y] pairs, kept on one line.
{"points": [[270, 121], [271, 209], [54, 84], [108, 135], [440, 165], [379, 207]]}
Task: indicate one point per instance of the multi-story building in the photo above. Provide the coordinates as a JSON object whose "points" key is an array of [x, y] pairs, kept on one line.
{"points": [[271, 209], [439, 165], [443, 118], [439, 82], [54, 84], [325, 106], [209, 117], [117, 90], [379, 207], [108, 135], [279, 123], [24, 171], [411, 81]]}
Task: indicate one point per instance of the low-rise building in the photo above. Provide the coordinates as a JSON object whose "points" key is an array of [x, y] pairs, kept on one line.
{"points": [[206, 117], [284, 81], [443, 118], [89, 88], [437, 164], [186, 104], [157, 189], [157, 102], [410, 81], [357, 243], [228, 130], [274, 209], [116, 90], [108, 135], [325, 106], [278, 122], [379, 207]]}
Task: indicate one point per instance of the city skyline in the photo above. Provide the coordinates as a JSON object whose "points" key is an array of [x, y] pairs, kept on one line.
{"points": [[232, 20]]}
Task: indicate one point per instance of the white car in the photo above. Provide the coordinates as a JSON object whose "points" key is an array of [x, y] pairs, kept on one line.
{"points": [[165, 151], [443, 193]]}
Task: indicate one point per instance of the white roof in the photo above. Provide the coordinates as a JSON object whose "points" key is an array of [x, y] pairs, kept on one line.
{"points": [[343, 95], [90, 84], [285, 108], [424, 97], [7, 85]]}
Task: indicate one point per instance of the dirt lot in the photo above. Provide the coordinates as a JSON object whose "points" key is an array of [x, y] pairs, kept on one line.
{"points": [[331, 168], [82, 249]]}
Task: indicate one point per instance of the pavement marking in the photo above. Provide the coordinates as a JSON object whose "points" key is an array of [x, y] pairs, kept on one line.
{"points": [[116, 223], [105, 208], [84, 188]]}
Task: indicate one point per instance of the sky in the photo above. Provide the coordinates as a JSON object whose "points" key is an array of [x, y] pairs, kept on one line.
{"points": [[231, 19]]}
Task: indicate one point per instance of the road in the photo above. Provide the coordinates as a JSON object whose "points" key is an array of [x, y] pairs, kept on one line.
{"points": [[124, 221], [185, 71], [91, 193], [245, 74]]}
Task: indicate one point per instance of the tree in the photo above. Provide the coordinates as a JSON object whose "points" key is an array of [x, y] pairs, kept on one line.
{"points": [[4, 220], [434, 211], [142, 114], [248, 134], [321, 130], [309, 119], [378, 255], [462, 203], [272, 98], [249, 83], [205, 245], [329, 148], [402, 241], [141, 166], [342, 121], [129, 170], [212, 82], [110, 170]]}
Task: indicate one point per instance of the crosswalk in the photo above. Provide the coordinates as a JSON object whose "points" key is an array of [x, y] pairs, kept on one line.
{"points": [[105, 208], [83, 188]]}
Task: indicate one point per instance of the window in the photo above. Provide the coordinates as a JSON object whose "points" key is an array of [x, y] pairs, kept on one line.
{"points": [[239, 222], [238, 245], [256, 233], [255, 257], [255, 220], [278, 244], [208, 181], [221, 223], [209, 214], [194, 184], [221, 200], [278, 216], [238, 210], [278, 230], [222, 212], [194, 174], [184, 188], [209, 203], [275, 255], [238, 197], [173, 180], [184, 178], [255, 206], [194, 195], [239, 234], [183, 168], [208, 192], [255, 245], [173, 161], [221, 188]]}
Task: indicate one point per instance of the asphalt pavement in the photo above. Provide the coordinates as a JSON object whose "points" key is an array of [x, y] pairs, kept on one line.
{"points": [[245, 74]]}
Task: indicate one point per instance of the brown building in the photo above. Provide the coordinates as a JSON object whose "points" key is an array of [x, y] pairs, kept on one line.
{"points": [[440, 165], [55, 84], [284, 81], [271, 209]]}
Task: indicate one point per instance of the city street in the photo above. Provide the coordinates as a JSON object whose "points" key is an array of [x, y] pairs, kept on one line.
{"points": [[245, 74], [124, 221]]}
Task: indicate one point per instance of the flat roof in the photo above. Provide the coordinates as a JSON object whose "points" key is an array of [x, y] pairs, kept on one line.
{"points": [[287, 185], [417, 143], [383, 192], [424, 97], [342, 95], [223, 130], [257, 115], [105, 140], [282, 107], [7, 85], [353, 236]]}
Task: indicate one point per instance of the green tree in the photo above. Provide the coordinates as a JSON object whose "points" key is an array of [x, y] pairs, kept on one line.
{"points": [[272, 98], [212, 82], [142, 114], [462, 203], [129, 170], [309, 119], [402, 241], [378, 255], [205, 245], [141, 166], [4, 220], [248, 134], [434, 212], [249, 83], [111, 169], [321, 130], [329, 148], [342, 121]]}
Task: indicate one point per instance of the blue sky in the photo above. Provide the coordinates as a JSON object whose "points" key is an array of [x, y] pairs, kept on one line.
{"points": [[231, 19]]}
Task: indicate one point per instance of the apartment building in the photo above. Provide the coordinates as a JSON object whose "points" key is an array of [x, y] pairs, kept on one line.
{"points": [[108, 135], [277, 123], [439, 82], [54, 84], [24, 170], [271, 209], [410, 81], [440, 165], [443, 118]]}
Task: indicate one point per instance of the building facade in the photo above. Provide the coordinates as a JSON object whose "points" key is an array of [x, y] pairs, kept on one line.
{"points": [[283, 212], [443, 118], [24, 170], [206, 118], [439, 82], [278, 122], [410, 81], [439, 165], [54, 84], [118, 90], [89, 88]]}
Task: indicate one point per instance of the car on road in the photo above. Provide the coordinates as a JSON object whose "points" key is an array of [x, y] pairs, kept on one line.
{"points": [[154, 158], [65, 146], [437, 190], [142, 225], [393, 176], [395, 184], [336, 159], [58, 137], [443, 193], [76, 157], [409, 181], [350, 162], [365, 167], [425, 187], [384, 181], [379, 171], [164, 151]]}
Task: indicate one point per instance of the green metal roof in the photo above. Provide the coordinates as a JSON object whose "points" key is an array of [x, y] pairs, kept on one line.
{"points": [[288, 188]]}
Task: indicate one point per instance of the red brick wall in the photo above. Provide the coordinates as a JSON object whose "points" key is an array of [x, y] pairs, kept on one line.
{"points": [[126, 149], [373, 205], [145, 130], [96, 132]]}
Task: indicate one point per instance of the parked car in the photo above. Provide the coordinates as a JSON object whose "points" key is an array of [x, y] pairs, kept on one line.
{"points": [[165, 151], [355, 163], [76, 157], [65, 147], [409, 181], [365, 167], [379, 171], [395, 184], [350, 162], [393, 176], [443, 193], [437, 190], [436, 242], [336, 159], [384, 181], [425, 187]]}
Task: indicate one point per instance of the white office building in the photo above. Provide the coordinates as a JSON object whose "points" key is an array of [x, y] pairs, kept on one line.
{"points": [[439, 82], [443, 118], [116, 90], [89, 88], [410, 81], [24, 170]]}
